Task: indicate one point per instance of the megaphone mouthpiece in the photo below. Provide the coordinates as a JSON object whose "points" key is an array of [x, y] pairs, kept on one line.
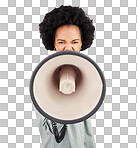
{"points": [[67, 80]]}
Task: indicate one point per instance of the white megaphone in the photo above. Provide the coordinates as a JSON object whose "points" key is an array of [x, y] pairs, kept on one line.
{"points": [[67, 87]]}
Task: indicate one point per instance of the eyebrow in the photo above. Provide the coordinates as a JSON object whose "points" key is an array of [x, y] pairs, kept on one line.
{"points": [[64, 40]]}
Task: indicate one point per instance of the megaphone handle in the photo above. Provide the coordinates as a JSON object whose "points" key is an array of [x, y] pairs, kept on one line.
{"points": [[58, 137]]}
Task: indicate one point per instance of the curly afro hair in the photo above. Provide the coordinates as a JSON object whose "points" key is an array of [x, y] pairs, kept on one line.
{"points": [[66, 15]]}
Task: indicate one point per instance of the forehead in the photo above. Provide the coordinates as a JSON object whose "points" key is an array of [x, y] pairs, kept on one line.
{"points": [[68, 31]]}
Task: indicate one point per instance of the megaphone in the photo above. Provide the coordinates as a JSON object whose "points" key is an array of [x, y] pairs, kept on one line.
{"points": [[67, 87]]}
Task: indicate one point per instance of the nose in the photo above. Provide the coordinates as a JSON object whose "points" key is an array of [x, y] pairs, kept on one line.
{"points": [[68, 47]]}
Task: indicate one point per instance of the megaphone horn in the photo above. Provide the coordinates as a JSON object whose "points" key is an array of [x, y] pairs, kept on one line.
{"points": [[67, 87]]}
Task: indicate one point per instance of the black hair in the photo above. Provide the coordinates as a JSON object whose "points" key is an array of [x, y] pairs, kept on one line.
{"points": [[66, 15]]}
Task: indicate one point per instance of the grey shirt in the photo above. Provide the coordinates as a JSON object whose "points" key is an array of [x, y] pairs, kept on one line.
{"points": [[79, 135]]}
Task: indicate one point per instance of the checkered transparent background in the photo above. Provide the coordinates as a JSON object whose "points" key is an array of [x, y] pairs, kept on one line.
{"points": [[114, 50]]}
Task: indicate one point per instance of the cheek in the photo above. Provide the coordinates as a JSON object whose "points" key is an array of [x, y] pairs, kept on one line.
{"points": [[77, 45], [77, 49], [59, 47]]}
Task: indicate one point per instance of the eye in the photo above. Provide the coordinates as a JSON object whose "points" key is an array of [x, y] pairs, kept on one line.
{"points": [[60, 42], [75, 42]]}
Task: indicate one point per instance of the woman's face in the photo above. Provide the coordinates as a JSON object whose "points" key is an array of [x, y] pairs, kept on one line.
{"points": [[68, 37]]}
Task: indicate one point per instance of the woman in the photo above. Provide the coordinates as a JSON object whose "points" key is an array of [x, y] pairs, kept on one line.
{"points": [[66, 28]]}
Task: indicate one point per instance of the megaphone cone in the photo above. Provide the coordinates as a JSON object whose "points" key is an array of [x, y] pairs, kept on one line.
{"points": [[67, 87]]}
